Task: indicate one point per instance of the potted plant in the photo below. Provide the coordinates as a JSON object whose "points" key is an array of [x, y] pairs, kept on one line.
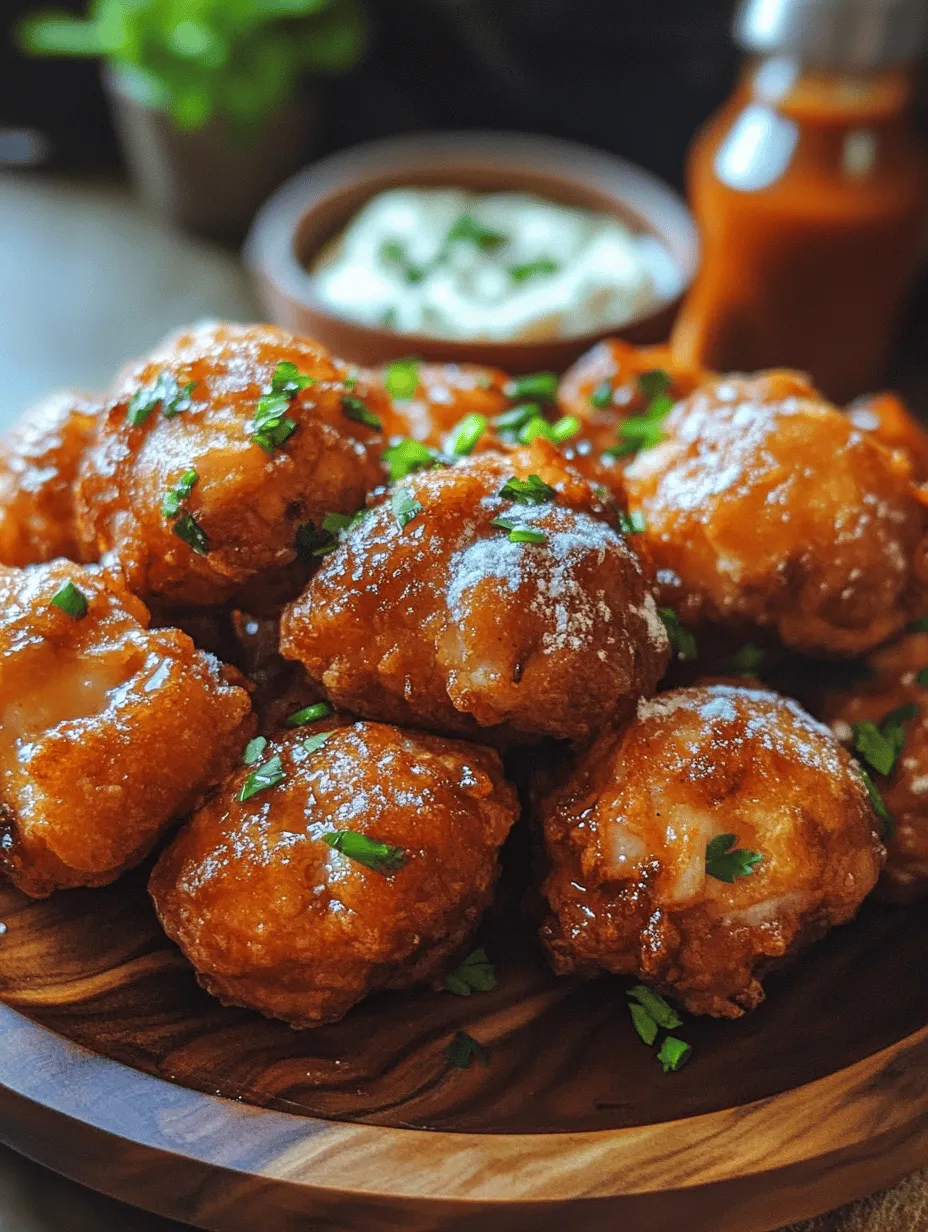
{"points": [[209, 98]]}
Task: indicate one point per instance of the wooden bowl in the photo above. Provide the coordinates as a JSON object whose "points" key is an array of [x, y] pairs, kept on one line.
{"points": [[315, 205], [117, 1070]]}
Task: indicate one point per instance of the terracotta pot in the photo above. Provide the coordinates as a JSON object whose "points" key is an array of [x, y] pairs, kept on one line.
{"points": [[203, 180]]}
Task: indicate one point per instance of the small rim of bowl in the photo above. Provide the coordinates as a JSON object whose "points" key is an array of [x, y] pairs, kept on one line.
{"points": [[644, 198]]}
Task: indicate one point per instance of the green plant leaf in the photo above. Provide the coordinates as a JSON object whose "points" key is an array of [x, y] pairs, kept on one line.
{"points": [[336, 40], [191, 109], [59, 34]]}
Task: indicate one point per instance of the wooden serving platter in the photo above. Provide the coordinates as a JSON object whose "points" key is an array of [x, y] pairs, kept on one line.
{"points": [[117, 1070]]}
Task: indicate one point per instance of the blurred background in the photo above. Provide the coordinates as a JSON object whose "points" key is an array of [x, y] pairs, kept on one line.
{"points": [[91, 278], [628, 76]]}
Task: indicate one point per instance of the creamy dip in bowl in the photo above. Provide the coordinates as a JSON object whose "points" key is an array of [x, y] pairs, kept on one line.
{"points": [[502, 266]]}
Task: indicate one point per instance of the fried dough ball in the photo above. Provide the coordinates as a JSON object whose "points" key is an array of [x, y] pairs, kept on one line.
{"points": [[886, 417], [766, 508], [429, 614], [39, 459], [627, 839], [109, 730], [603, 387], [896, 691], [273, 917], [444, 395], [237, 525]]}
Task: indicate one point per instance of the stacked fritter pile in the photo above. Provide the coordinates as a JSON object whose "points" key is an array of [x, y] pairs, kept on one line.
{"points": [[294, 617]]}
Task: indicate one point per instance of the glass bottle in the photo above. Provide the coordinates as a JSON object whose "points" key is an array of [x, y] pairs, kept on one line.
{"points": [[811, 194]]}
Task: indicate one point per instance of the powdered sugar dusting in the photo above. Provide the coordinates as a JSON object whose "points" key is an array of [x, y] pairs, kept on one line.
{"points": [[556, 574]]}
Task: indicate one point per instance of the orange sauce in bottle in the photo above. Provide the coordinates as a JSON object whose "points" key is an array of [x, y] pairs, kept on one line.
{"points": [[811, 194]]}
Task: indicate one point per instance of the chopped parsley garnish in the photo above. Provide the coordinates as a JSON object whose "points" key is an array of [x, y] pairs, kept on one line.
{"points": [[467, 434], [601, 397], [464, 1050], [335, 523], [646, 430], [674, 1054], [313, 541], [631, 523], [253, 750], [654, 384], [309, 714], [746, 661], [875, 798], [537, 386], [651, 1014], [271, 425], [355, 409], [407, 457], [519, 534], [173, 398], [401, 378], [726, 862], [475, 974], [270, 774], [393, 253], [661, 1011], [531, 491], [192, 533], [643, 1023], [921, 677], [176, 496], [638, 432], [405, 506], [70, 600], [879, 746], [533, 269], [562, 430], [874, 747], [314, 743], [517, 417], [468, 229], [288, 379], [380, 857], [681, 639]]}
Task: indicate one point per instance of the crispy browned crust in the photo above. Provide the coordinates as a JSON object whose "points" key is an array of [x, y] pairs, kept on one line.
{"points": [[249, 504], [767, 507], [272, 918], [39, 460], [446, 624], [626, 840], [893, 682], [110, 732]]}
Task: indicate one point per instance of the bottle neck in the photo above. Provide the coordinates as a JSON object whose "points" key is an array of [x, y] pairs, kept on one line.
{"points": [[808, 93]]}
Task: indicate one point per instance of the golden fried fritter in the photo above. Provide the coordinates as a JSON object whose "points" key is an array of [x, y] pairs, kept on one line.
{"points": [[444, 395], [109, 730], [627, 838], [274, 917], [181, 426], [603, 387], [887, 418], [39, 459], [766, 507], [894, 698], [430, 614]]}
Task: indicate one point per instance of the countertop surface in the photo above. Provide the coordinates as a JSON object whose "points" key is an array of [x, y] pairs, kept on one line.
{"points": [[89, 281]]}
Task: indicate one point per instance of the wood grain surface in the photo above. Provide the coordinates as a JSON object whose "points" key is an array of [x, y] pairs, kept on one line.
{"points": [[739, 1141]]}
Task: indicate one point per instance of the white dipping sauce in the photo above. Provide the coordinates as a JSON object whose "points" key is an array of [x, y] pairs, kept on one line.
{"points": [[498, 267]]}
